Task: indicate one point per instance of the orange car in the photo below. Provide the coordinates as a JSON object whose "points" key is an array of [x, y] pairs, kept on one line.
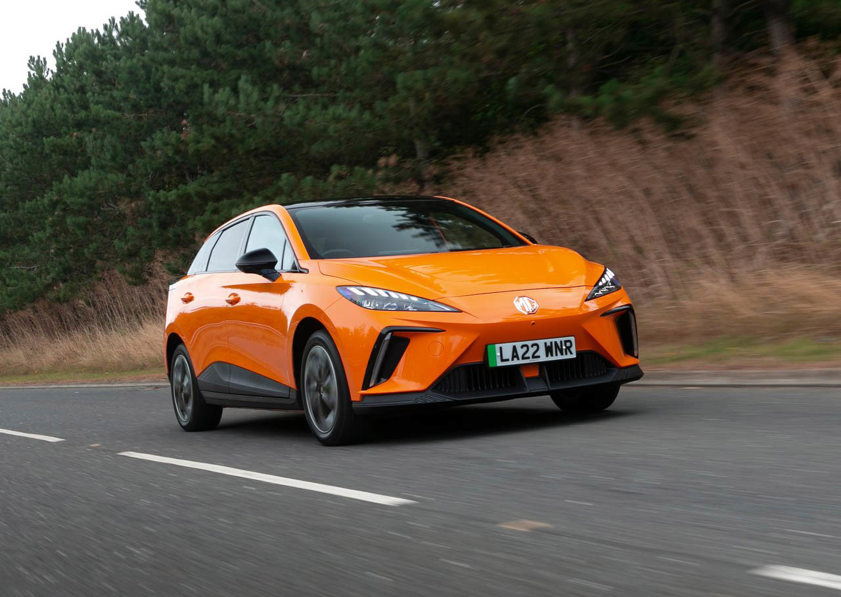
{"points": [[349, 306]]}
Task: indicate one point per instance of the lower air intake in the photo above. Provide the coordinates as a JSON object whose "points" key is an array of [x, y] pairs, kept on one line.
{"points": [[479, 379], [585, 366]]}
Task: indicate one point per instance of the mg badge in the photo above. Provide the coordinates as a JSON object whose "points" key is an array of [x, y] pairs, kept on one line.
{"points": [[526, 305]]}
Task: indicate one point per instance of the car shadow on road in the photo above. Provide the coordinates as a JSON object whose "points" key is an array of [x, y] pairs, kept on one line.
{"points": [[424, 425], [289, 424], [466, 422]]}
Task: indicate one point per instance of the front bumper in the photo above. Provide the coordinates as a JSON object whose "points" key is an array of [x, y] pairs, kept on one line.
{"points": [[408, 354], [476, 382]]}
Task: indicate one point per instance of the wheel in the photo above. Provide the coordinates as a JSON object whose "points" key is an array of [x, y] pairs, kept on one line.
{"points": [[324, 392], [192, 412], [586, 400]]}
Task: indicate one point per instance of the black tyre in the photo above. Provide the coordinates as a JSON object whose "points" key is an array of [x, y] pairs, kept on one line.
{"points": [[324, 392], [586, 400], [191, 411]]}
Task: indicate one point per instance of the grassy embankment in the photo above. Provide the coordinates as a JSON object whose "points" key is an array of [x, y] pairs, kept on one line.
{"points": [[729, 237]]}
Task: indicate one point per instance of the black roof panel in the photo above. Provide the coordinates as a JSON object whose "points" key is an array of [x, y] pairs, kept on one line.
{"points": [[370, 200]]}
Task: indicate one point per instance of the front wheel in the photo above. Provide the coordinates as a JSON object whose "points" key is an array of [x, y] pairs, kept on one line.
{"points": [[191, 411], [324, 392], [586, 400]]}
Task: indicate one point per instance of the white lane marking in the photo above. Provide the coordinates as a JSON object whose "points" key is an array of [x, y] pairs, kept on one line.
{"points": [[374, 498], [809, 577], [454, 563], [810, 534], [675, 560], [43, 438]]}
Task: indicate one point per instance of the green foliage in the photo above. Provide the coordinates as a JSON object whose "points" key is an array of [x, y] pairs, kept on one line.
{"points": [[817, 17], [153, 131]]}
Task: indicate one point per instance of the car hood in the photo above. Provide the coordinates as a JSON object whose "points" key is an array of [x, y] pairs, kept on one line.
{"points": [[465, 273]]}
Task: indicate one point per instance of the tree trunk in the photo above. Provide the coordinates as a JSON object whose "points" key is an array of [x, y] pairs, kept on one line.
{"points": [[779, 31], [719, 30], [572, 63], [574, 73], [422, 157]]}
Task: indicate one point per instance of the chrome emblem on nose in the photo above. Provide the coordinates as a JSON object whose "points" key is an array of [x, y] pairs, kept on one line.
{"points": [[526, 305]]}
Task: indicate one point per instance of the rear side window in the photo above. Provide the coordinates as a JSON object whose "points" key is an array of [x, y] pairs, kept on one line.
{"points": [[225, 252], [200, 262], [268, 233]]}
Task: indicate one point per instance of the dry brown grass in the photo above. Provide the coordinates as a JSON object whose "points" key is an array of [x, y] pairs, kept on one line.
{"points": [[735, 231], [91, 350], [116, 327], [775, 303]]}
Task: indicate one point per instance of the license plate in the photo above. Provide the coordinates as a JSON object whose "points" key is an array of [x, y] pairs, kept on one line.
{"points": [[531, 351]]}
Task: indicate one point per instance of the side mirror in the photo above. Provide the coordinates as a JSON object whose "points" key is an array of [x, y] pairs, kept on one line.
{"points": [[259, 261], [529, 237]]}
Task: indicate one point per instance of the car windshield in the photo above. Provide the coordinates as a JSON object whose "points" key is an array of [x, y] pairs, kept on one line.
{"points": [[394, 227]]}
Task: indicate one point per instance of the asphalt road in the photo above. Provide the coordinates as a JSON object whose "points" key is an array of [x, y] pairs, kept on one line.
{"points": [[675, 491]]}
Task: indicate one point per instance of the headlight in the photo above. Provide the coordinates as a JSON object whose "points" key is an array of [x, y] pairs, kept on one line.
{"points": [[378, 299], [606, 284]]}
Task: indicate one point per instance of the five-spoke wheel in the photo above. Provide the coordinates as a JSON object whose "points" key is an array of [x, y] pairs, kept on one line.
{"points": [[192, 412], [324, 391]]}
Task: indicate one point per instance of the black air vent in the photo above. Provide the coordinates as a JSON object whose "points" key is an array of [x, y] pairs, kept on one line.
{"points": [[585, 366], [479, 379], [626, 325]]}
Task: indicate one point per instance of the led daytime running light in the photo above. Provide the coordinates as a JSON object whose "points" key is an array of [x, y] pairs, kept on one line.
{"points": [[607, 283], [379, 299]]}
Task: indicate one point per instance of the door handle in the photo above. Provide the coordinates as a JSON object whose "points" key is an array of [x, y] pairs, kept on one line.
{"points": [[187, 298], [232, 299]]}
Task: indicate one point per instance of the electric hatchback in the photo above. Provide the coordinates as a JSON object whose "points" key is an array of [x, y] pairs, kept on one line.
{"points": [[345, 307]]}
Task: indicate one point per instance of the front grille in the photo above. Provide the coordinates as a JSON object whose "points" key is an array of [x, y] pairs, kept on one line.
{"points": [[479, 379], [585, 366]]}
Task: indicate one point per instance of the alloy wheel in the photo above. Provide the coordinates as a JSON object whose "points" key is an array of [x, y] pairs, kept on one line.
{"points": [[321, 391], [182, 388]]}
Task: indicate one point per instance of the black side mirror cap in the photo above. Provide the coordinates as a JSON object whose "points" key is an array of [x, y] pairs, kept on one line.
{"points": [[259, 261], [529, 237]]}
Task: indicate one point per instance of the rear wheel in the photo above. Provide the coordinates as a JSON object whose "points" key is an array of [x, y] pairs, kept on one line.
{"points": [[586, 400], [324, 392], [191, 411]]}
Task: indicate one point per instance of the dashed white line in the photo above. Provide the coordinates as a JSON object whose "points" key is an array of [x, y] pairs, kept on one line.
{"points": [[458, 564], [578, 503], [810, 533], [43, 438], [801, 575], [365, 496]]}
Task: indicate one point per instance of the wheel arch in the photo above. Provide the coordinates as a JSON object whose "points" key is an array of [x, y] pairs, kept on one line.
{"points": [[173, 341], [305, 328]]}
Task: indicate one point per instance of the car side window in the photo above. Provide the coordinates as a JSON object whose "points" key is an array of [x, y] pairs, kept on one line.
{"points": [[199, 264], [288, 261], [267, 233], [225, 252]]}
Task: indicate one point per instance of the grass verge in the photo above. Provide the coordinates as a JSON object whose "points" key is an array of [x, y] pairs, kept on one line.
{"points": [[730, 353], [63, 377]]}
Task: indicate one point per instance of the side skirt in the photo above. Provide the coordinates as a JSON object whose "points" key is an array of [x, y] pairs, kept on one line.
{"points": [[224, 384]]}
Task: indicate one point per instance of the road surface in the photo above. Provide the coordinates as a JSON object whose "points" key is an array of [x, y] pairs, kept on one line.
{"points": [[674, 491]]}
